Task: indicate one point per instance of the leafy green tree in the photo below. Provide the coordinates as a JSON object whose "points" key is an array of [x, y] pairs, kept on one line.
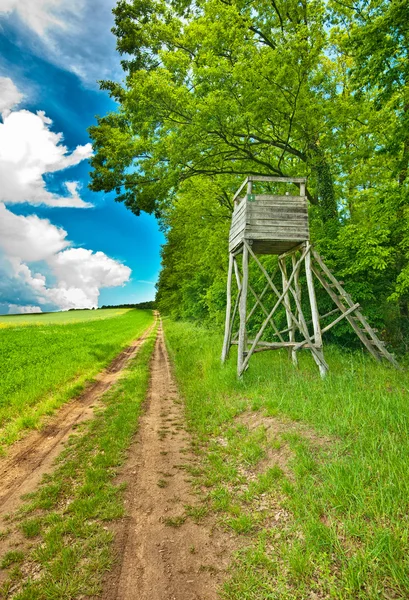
{"points": [[215, 88]]}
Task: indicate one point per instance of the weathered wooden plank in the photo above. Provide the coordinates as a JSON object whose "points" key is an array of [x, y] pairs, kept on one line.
{"points": [[235, 242], [293, 236], [240, 189], [276, 208], [292, 223], [276, 218], [267, 224], [240, 220], [240, 209], [236, 239], [266, 204], [279, 202], [282, 210], [236, 231], [237, 234], [279, 198], [277, 179]]}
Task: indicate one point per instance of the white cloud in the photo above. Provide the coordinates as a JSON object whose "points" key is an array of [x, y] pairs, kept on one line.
{"points": [[40, 15], [75, 35], [15, 309], [9, 96], [28, 151], [30, 238], [79, 274]]}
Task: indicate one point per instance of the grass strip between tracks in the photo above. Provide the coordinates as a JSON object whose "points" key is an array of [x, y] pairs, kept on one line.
{"points": [[311, 475], [66, 520]]}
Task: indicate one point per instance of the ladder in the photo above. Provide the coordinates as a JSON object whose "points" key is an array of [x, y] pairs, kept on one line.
{"points": [[350, 311]]}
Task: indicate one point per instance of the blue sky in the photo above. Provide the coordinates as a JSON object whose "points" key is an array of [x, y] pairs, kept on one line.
{"points": [[55, 253]]}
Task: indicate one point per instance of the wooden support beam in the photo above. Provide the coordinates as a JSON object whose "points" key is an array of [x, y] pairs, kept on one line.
{"points": [[287, 305], [335, 322], [343, 309], [227, 328], [314, 310], [243, 310], [279, 301]]}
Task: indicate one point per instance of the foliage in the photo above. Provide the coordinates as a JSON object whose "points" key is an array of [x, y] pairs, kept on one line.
{"points": [[43, 366], [216, 90], [149, 305]]}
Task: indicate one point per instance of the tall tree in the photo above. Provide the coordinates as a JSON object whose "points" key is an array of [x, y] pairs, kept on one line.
{"points": [[213, 88]]}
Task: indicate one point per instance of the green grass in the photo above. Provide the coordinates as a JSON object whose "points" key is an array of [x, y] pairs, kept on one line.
{"points": [[332, 520], [42, 366], [69, 543], [60, 318]]}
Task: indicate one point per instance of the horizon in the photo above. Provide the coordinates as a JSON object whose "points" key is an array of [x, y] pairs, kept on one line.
{"points": [[62, 246]]}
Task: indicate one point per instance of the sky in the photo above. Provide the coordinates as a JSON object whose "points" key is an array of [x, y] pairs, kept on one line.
{"points": [[61, 245]]}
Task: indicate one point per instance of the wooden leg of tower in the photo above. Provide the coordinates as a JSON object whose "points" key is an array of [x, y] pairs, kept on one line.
{"points": [[242, 346], [227, 328], [287, 306], [297, 289], [314, 314]]}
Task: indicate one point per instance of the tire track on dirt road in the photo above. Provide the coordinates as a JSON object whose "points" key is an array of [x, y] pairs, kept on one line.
{"points": [[33, 456], [155, 560]]}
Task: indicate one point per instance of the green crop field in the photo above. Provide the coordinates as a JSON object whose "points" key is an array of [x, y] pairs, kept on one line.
{"points": [[44, 365], [311, 474], [60, 318]]}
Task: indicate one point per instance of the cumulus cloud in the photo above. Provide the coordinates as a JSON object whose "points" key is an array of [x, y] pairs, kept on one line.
{"points": [[78, 274], [15, 309], [28, 151], [40, 15], [74, 35]]}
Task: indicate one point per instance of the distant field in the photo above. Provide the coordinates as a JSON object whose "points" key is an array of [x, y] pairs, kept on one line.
{"points": [[61, 318], [43, 365]]}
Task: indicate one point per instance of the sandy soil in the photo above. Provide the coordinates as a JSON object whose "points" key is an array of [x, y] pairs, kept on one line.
{"points": [[33, 456], [155, 559]]}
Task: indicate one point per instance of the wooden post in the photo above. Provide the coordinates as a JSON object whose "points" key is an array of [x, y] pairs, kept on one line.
{"points": [[242, 348], [287, 304], [314, 311], [227, 328], [298, 294]]}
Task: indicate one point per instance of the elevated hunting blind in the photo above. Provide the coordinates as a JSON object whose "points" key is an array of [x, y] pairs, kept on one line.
{"points": [[277, 224]]}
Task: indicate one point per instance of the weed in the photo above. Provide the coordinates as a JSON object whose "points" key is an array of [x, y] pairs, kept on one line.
{"points": [[10, 558], [175, 521], [31, 527]]}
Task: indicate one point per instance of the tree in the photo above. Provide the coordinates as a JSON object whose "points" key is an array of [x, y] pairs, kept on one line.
{"points": [[215, 88]]}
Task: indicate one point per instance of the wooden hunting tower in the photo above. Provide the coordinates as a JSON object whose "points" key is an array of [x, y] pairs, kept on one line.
{"points": [[277, 224]]}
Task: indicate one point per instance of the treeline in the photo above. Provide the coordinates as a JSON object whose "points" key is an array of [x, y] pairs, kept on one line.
{"points": [[150, 305], [218, 90]]}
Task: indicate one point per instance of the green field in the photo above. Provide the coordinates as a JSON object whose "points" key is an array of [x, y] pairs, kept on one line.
{"points": [[65, 519], [60, 318], [44, 365], [318, 491]]}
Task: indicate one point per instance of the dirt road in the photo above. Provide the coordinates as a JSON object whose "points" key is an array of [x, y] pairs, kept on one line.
{"points": [[30, 458], [160, 555]]}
